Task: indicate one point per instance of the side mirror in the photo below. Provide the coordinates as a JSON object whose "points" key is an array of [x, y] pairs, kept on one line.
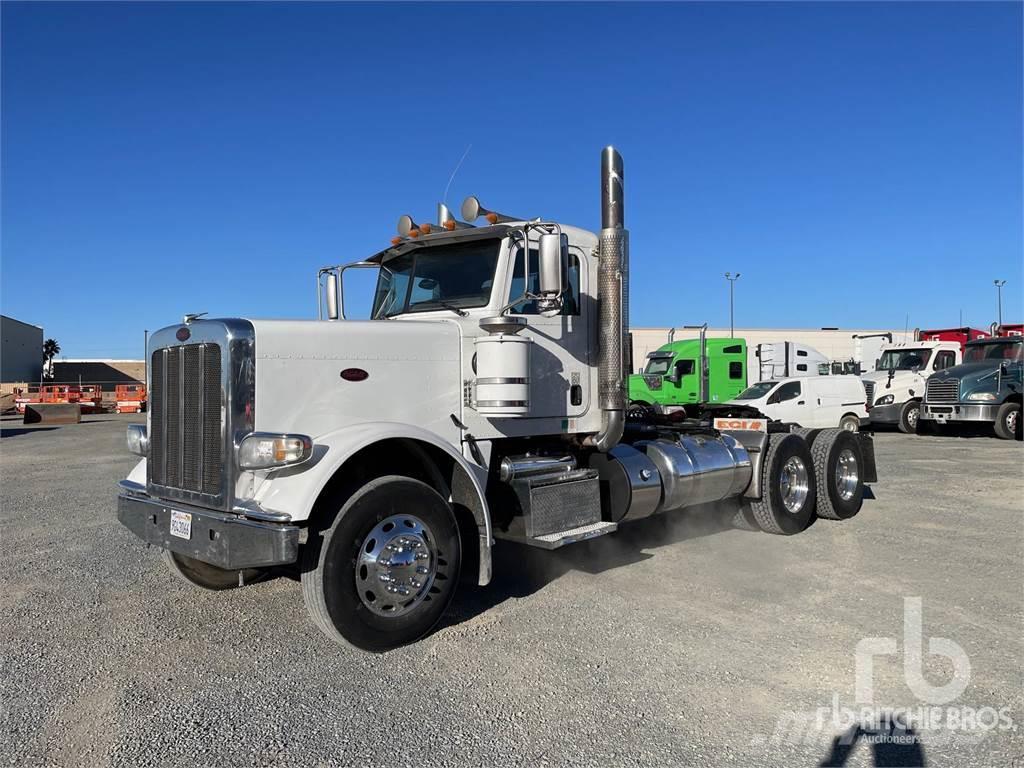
{"points": [[332, 296], [677, 372], [553, 257]]}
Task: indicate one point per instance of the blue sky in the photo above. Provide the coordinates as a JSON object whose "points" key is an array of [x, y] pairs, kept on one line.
{"points": [[855, 162]]}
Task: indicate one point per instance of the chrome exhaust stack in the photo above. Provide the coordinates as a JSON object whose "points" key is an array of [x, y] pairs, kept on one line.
{"points": [[613, 302]]}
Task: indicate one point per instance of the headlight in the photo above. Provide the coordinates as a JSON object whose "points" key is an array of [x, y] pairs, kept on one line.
{"points": [[981, 396], [261, 450], [884, 400], [138, 441]]}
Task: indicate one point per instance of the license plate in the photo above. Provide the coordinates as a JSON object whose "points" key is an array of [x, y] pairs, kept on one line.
{"points": [[754, 425], [181, 524]]}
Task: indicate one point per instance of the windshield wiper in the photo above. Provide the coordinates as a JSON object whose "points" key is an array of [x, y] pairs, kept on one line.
{"points": [[443, 305]]}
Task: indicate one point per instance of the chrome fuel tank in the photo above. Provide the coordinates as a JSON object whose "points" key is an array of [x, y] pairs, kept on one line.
{"points": [[696, 469]]}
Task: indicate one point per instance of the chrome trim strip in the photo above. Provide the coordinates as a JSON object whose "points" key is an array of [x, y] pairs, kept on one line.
{"points": [[502, 403], [131, 488], [254, 511], [503, 380]]}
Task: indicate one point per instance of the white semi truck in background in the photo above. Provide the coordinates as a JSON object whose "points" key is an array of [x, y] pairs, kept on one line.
{"points": [[896, 386], [484, 401]]}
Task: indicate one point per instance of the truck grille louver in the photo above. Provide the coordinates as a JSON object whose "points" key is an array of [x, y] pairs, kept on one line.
{"points": [[186, 445], [869, 391], [945, 391]]}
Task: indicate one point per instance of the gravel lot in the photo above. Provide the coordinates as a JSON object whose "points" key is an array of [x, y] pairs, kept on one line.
{"points": [[676, 642]]}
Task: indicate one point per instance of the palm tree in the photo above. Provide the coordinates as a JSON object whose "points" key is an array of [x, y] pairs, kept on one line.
{"points": [[50, 350]]}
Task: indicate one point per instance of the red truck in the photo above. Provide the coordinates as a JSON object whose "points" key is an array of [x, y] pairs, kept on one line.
{"points": [[959, 335]]}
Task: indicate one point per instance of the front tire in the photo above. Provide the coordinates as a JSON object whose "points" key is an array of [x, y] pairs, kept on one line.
{"points": [[788, 486], [206, 576], [1007, 422], [909, 416], [385, 569], [838, 468]]}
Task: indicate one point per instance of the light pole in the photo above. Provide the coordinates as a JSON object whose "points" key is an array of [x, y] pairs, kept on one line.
{"points": [[732, 279], [999, 292]]}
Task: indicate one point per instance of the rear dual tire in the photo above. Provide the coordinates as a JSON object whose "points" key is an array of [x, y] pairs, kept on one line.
{"points": [[838, 470], [788, 486]]}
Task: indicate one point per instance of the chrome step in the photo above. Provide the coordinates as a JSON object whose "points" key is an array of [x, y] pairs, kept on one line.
{"points": [[561, 538]]}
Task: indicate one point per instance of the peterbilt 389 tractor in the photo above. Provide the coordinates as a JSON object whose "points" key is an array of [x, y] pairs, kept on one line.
{"points": [[484, 401]]}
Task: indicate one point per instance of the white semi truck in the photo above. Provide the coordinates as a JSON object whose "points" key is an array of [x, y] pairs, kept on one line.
{"points": [[484, 401], [896, 387]]}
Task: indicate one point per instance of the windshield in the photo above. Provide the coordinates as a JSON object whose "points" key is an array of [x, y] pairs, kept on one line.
{"points": [[1012, 351], [760, 389], [904, 359], [453, 276], [657, 366]]}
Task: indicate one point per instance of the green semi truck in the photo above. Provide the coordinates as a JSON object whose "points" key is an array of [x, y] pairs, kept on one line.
{"points": [[691, 371]]}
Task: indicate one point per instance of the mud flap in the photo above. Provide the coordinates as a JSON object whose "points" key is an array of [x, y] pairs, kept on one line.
{"points": [[867, 448]]}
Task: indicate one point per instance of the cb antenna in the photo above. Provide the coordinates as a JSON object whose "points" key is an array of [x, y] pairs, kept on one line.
{"points": [[452, 177]]}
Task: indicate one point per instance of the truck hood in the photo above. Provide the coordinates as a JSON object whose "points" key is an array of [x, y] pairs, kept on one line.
{"points": [[965, 371], [881, 378], [981, 377], [638, 388], [412, 374]]}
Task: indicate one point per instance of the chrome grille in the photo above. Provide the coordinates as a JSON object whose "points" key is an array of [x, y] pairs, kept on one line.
{"points": [[944, 391], [186, 447], [869, 391]]}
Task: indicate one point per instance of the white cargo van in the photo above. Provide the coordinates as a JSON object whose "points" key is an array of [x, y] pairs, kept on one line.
{"points": [[810, 401]]}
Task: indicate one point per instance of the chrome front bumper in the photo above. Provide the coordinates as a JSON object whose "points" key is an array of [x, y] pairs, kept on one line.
{"points": [[223, 539], [942, 413]]}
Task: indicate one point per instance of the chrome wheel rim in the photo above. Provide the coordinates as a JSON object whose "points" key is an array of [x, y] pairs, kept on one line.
{"points": [[794, 484], [847, 474], [1011, 422], [396, 566], [850, 425], [912, 415]]}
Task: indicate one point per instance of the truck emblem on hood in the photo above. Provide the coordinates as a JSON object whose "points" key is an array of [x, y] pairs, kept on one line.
{"points": [[354, 374]]}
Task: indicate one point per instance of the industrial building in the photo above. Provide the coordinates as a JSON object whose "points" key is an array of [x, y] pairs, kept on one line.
{"points": [[105, 372], [21, 352]]}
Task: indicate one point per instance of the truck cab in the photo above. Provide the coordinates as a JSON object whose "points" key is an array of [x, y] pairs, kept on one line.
{"points": [[691, 371], [985, 387], [896, 387]]}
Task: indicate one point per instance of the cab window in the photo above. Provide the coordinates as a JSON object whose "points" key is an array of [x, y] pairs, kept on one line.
{"points": [[735, 370], [945, 359], [788, 391], [684, 367], [570, 298]]}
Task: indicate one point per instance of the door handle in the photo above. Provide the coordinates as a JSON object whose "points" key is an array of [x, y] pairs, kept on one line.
{"points": [[799, 402]]}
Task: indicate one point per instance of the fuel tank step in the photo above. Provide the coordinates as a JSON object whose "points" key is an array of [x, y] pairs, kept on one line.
{"points": [[561, 538]]}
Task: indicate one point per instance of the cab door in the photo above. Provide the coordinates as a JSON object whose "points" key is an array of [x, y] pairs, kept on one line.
{"points": [[560, 357], [684, 387], [788, 403]]}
